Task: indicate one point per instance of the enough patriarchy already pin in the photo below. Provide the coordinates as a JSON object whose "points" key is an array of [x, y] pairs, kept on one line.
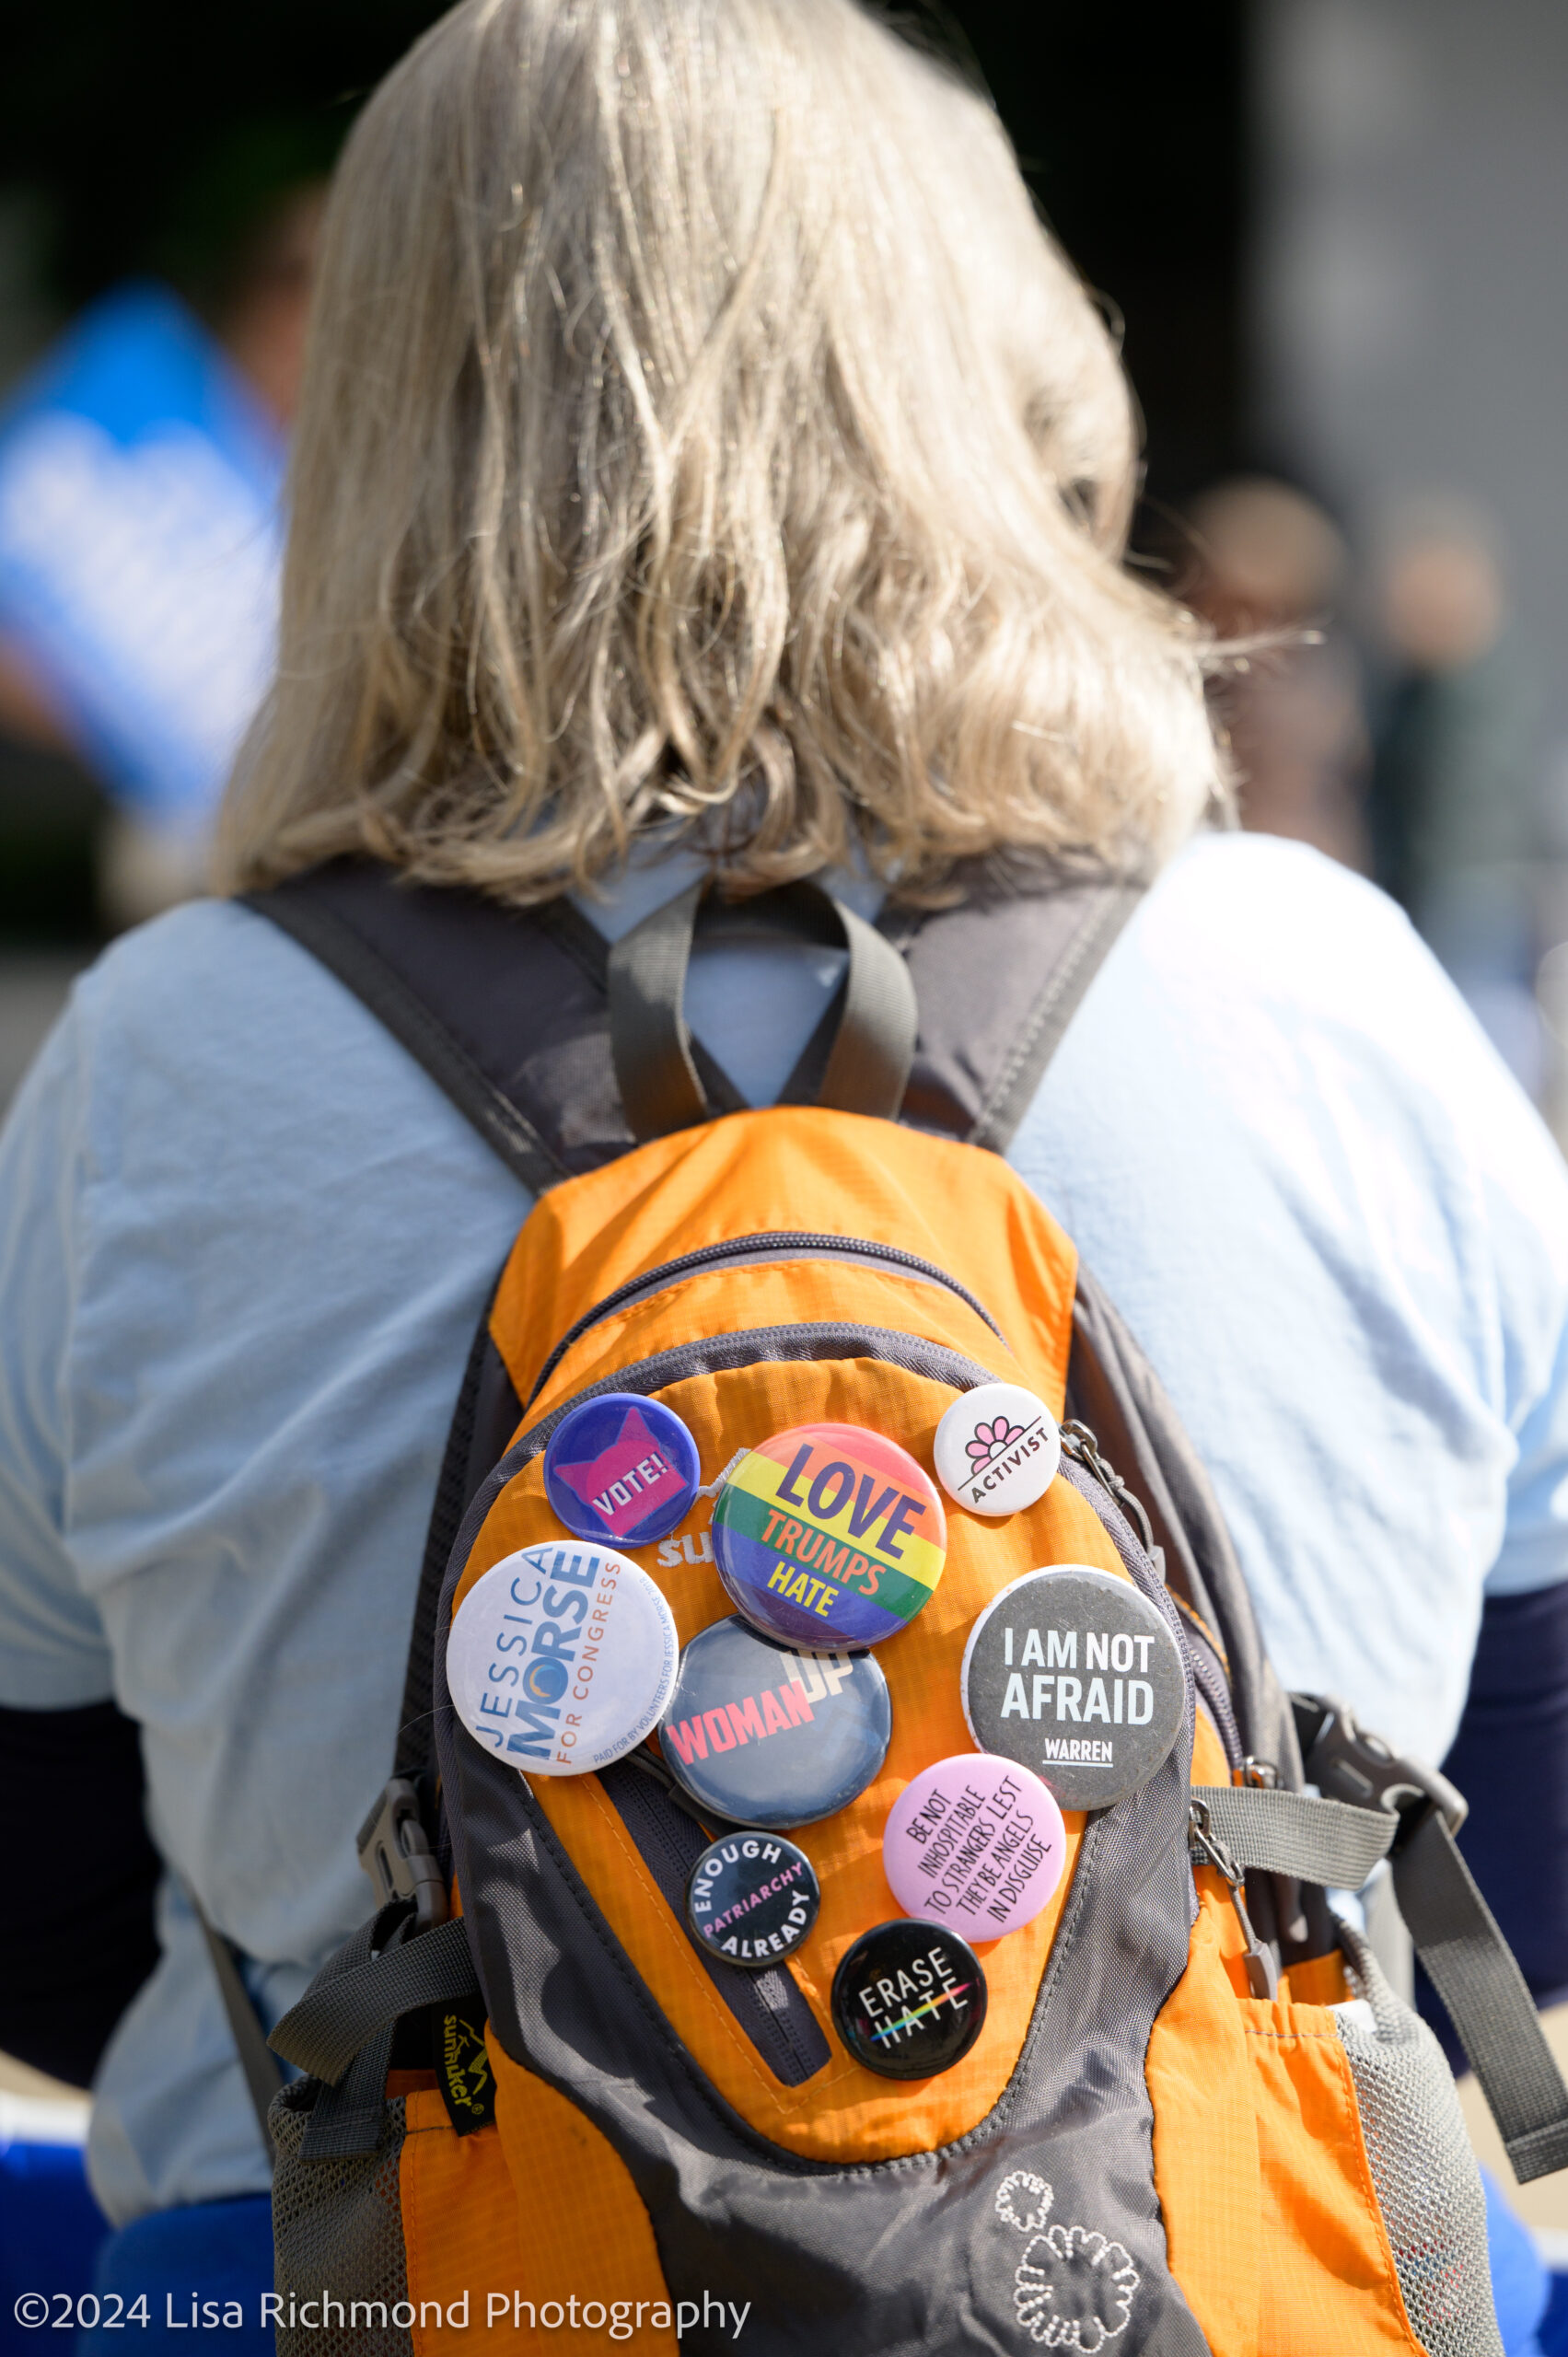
{"points": [[1073, 1673], [976, 1842], [561, 1658], [830, 1535], [752, 1899]]}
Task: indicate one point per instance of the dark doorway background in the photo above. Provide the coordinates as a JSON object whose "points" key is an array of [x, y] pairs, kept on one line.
{"points": [[144, 127], [139, 138], [1130, 124]]}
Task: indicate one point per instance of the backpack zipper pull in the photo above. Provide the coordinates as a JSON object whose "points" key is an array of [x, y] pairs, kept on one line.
{"points": [[1205, 1848], [1079, 1443]]}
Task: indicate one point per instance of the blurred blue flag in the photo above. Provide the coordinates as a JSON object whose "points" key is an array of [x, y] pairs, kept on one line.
{"points": [[139, 548]]}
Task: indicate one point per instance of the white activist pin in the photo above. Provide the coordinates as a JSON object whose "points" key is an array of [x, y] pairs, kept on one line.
{"points": [[997, 1450], [561, 1658]]}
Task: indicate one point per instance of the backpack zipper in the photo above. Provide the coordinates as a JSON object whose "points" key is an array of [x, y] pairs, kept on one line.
{"points": [[670, 1837], [753, 1251]]}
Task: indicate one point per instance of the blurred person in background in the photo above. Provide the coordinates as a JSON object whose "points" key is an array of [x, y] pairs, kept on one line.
{"points": [[1457, 788], [1266, 563], [140, 468]]}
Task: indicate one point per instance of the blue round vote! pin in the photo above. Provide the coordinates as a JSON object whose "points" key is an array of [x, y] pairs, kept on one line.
{"points": [[768, 1737], [621, 1469]]}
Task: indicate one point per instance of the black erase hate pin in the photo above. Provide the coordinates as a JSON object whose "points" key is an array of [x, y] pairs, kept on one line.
{"points": [[770, 1737], [909, 2000], [752, 1899], [1075, 1674]]}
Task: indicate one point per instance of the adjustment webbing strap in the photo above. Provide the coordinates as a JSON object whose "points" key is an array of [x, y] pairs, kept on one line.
{"points": [[1289, 1833], [868, 1065], [1455, 1934], [1472, 1969], [262, 2077], [358, 1991]]}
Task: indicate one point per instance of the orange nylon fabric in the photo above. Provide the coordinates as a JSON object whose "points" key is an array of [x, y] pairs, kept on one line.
{"points": [[780, 1171], [845, 2113], [787, 1171], [1273, 2224], [580, 2233], [1271, 2220]]}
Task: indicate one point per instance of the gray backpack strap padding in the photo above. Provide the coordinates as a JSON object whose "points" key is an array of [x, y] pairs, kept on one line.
{"points": [[508, 1008], [322, 920], [998, 980], [873, 1026], [1114, 1390]]}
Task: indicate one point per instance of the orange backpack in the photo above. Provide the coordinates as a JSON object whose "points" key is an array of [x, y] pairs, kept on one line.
{"points": [[1196, 2117]]}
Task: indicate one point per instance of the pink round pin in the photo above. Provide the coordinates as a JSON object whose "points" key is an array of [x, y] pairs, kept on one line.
{"points": [[975, 1842]]}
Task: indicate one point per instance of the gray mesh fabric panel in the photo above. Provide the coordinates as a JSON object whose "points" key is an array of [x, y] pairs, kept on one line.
{"points": [[338, 2230], [1428, 2187]]}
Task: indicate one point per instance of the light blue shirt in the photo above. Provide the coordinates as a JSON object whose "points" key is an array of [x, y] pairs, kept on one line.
{"points": [[244, 1243]]}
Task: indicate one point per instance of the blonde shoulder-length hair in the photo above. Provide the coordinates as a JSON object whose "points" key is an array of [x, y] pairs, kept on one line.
{"points": [[700, 431]]}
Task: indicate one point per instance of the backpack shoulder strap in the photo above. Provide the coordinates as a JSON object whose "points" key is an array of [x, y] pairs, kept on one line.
{"points": [[998, 980], [508, 1010]]}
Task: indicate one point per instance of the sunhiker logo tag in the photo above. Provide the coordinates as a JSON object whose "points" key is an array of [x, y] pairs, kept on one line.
{"points": [[561, 1658], [462, 2064], [1076, 1675]]}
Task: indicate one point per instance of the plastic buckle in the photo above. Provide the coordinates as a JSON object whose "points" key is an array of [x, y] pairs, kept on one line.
{"points": [[396, 1857], [1346, 1763]]}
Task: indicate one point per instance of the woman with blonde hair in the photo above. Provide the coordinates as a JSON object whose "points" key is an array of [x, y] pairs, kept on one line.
{"points": [[708, 468]]}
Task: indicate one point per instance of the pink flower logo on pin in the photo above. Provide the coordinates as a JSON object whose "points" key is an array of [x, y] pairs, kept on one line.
{"points": [[990, 1440]]}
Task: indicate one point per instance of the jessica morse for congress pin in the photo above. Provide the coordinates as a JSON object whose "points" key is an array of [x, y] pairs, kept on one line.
{"points": [[830, 1535], [561, 1658], [1075, 1674]]}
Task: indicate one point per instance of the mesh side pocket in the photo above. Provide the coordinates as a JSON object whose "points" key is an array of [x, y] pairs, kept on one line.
{"points": [[1428, 2185], [338, 2233]]}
